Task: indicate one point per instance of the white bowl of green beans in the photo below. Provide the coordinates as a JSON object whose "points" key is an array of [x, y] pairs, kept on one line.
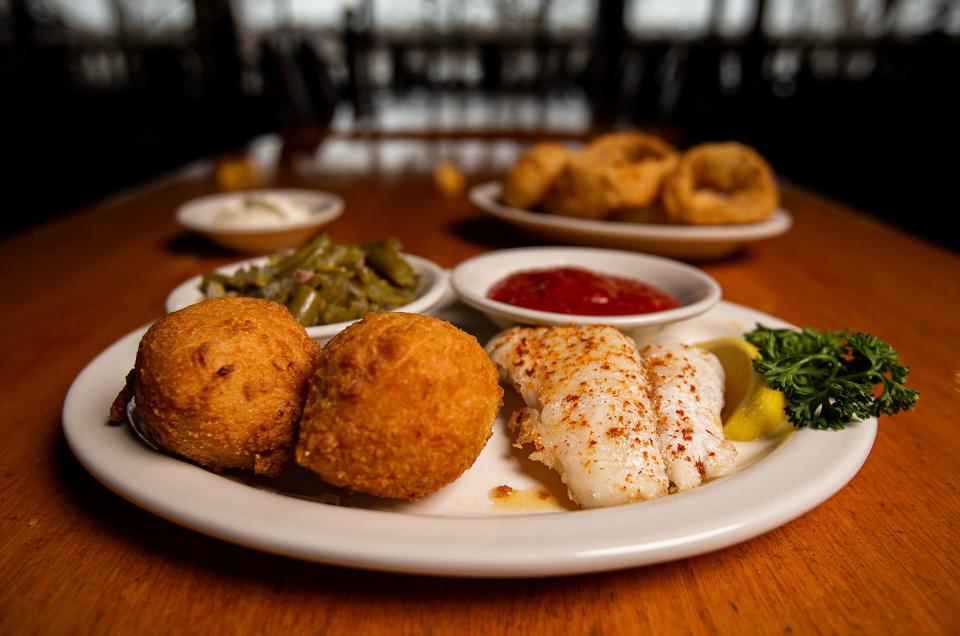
{"points": [[326, 286]]}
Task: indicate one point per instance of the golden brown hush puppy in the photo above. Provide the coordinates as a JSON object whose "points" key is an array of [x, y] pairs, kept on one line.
{"points": [[223, 383], [399, 406]]}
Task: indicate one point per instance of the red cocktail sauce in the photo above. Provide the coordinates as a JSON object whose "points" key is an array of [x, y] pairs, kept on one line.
{"points": [[568, 290]]}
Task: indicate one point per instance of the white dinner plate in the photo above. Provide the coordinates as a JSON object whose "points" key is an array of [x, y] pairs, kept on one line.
{"points": [[679, 241], [461, 530]]}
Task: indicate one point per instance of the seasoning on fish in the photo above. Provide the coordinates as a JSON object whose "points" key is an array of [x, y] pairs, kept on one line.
{"points": [[687, 387], [588, 414]]}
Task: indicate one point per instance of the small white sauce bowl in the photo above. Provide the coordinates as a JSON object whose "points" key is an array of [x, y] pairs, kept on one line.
{"points": [[200, 215], [434, 284], [694, 290]]}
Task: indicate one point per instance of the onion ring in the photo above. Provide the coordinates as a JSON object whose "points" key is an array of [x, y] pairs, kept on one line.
{"points": [[583, 190], [720, 183], [613, 172], [532, 175], [635, 162]]}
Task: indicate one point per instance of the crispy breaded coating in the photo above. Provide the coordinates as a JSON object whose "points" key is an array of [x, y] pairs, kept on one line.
{"points": [[399, 406], [583, 189], [613, 172], [721, 183], [532, 175], [635, 162], [223, 383]]}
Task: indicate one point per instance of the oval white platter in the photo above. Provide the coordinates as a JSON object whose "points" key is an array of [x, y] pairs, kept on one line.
{"points": [[460, 530], [678, 241]]}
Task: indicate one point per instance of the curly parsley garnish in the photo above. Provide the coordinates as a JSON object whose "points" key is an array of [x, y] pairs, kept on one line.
{"points": [[831, 377]]}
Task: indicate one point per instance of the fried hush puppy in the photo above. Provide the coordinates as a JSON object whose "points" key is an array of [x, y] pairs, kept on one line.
{"points": [[399, 406], [223, 383]]}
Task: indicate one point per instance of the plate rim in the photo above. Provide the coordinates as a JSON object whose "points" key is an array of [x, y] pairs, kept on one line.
{"points": [[508, 546], [484, 196]]}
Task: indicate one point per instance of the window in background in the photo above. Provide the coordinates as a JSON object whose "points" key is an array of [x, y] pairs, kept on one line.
{"points": [[256, 15], [158, 17], [142, 20], [483, 16], [736, 17], [85, 16], [917, 17], [402, 16], [868, 17], [266, 15], [653, 18], [831, 18], [311, 14], [571, 16]]}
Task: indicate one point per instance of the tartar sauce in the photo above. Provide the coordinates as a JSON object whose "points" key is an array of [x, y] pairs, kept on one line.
{"points": [[259, 211]]}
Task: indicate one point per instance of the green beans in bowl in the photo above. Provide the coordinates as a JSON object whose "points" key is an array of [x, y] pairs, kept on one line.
{"points": [[326, 285]]}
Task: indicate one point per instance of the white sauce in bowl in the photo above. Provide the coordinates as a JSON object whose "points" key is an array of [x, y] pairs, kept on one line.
{"points": [[260, 211]]}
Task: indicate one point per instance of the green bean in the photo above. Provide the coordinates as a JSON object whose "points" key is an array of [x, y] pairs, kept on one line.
{"points": [[389, 264], [290, 263], [253, 276], [341, 314], [337, 256], [333, 289], [322, 282], [306, 305], [225, 280], [391, 243], [358, 299], [214, 288], [385, 295], [279, 291]]}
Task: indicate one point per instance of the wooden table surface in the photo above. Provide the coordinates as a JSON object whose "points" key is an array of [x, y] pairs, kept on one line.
{"points": [[881, 556]]}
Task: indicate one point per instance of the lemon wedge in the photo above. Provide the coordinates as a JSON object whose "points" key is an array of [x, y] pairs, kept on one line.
{"points": [[751, 408]]}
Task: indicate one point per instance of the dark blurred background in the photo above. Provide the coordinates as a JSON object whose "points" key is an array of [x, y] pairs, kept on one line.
{"points": [[857, 99]]}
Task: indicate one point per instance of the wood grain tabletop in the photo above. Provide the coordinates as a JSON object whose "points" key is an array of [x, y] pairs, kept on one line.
{"points": [[881, 556]]}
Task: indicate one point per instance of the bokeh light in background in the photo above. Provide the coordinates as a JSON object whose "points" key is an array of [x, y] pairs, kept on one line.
{"points": [[850, 97]]}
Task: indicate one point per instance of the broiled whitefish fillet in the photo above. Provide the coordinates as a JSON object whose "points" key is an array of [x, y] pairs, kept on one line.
{"points": [[687, 386], [588, 412]]}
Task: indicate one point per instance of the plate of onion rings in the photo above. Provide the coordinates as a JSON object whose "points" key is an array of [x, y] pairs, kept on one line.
{"points": [[634, 190], [677, 241]]}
